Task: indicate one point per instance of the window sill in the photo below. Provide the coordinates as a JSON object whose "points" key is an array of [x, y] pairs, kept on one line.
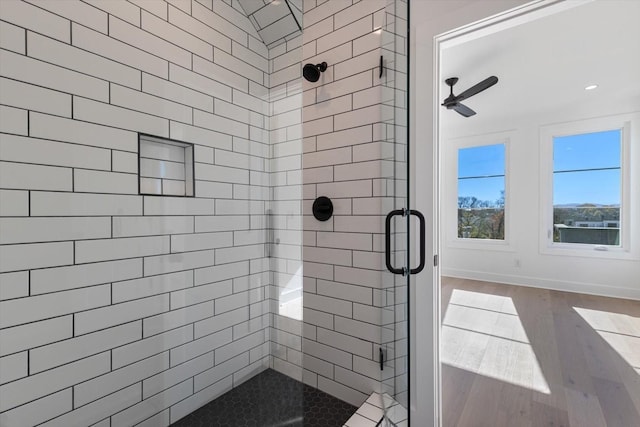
{"points": [[589, 251], [481, 244]]}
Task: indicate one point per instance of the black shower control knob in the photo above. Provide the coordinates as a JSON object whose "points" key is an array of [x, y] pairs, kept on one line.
{"points": [[322, 208]]}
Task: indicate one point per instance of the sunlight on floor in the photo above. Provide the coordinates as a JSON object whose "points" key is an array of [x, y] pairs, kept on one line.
{"points": [[482, 333], [621, 331]]}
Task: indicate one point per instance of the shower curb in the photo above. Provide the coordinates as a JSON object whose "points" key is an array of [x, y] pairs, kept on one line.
{"points": [[373, 410]]}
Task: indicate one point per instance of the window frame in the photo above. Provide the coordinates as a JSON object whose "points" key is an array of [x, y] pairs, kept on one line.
{"points": [[627, 124], [451, 203]]}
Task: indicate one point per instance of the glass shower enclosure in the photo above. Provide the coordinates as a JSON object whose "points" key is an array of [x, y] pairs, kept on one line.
{"points": [[160, 260]]}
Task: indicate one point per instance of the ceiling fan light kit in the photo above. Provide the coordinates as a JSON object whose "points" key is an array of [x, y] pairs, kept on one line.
{"points": [[452, 102]]}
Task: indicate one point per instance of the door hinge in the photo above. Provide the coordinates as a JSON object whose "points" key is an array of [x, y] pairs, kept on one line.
{"points": [[435, 260]]}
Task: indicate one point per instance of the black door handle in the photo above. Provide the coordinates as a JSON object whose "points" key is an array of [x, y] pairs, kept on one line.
{"points": [[423, 230], [387, 241]]}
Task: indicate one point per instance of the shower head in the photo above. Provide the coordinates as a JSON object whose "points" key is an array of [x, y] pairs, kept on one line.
{"points": [[312, 72]]}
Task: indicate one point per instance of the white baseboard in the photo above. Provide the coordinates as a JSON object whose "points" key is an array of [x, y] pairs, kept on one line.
{"points": [[536, 282]]}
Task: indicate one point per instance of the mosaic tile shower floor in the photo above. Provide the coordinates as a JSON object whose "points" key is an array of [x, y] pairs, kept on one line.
{"points": [[271, 399]]}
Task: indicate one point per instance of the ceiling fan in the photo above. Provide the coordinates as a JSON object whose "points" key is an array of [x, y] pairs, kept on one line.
{"points": [[452, 102]]}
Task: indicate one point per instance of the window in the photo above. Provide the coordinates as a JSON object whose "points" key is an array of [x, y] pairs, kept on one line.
{"points": [[587, 188], [588, 204], [481, 192]]}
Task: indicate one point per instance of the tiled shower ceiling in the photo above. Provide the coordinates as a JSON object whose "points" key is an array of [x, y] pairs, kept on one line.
{"points": [[274, 19]]}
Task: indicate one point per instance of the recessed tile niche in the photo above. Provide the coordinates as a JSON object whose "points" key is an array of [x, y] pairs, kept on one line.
{"points": [[165, 167]]}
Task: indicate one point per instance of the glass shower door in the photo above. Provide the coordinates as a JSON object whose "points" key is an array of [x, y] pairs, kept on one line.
{"points": [[398, 233]]}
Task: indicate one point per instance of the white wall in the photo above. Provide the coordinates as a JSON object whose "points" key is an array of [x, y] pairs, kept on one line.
{"points": [[114, 305], [523, 260]]}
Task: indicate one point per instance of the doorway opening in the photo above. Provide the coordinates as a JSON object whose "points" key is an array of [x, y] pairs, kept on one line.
{"points": [[535, 329]]}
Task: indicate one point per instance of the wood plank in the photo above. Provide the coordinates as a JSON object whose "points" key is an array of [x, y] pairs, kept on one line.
{"points": [[616, 404], [481, 409], [515, 406], [545, 415], [456, 386]]}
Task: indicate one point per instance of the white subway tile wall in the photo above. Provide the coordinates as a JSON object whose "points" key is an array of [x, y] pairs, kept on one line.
{"points": [[284, 219], [354, 148], [123, 309], [118, 308]]}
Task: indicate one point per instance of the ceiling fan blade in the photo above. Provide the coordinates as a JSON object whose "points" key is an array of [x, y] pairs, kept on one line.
{"points": [[464, 110], [473, 90]]}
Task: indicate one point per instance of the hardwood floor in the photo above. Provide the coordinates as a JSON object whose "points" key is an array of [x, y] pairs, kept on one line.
{"points": [[517, 356]]}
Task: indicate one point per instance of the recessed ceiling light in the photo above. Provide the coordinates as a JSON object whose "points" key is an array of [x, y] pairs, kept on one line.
{"points": [[590, 87]]}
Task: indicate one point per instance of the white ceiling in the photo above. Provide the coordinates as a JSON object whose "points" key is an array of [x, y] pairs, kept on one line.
{"points": [[543, 67]]}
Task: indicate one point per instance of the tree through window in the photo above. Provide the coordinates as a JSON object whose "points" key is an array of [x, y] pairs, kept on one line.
{"points": [[481, 192]]}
